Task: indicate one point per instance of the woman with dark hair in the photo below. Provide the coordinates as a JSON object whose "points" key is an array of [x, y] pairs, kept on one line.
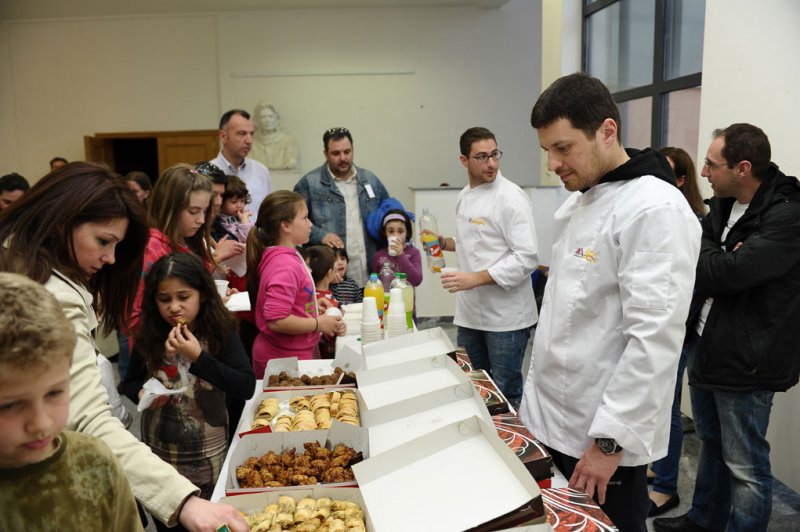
{"points": [[140, 184], [81, 232], [686, 177]]}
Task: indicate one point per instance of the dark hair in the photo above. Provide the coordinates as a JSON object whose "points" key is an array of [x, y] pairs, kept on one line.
{"points": [[684, 166], [320, 259], [746, 142], [37, 231], [140, 178], [581, 99], [213, 323], [236, 189], [58, 159], [472, 135], [13, 181], [170, 196], [335, 133], [226, 117], [279, 206], [406, 220], [212, 171], [341, 252]]}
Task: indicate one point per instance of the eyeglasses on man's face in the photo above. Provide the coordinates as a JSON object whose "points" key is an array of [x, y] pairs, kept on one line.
{"points": [[334, 131], [708, 164], [483, 157]]}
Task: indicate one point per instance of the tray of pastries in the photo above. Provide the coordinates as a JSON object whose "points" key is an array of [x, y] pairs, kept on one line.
{"points": [[315, 464], [289, 412], [324, 514], [289, 373]]}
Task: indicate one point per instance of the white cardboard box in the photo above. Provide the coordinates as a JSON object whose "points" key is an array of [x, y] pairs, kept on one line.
{"points": [[295, 368], [251, 407], [454, 478], [420, 344], [395, 424], [389, 384], [279, 442], [256, 502]]}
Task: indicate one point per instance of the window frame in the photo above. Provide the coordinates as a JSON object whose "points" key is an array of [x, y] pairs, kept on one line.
{"points": [[660, 87]]}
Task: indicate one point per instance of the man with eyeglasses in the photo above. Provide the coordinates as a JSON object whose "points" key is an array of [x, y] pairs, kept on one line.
{"points": [[236, 135], [611, 328], [746, 312], [339, 197], [497, 252]]}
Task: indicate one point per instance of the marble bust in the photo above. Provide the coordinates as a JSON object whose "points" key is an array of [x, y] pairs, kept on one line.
{"points": [[271, 145]]}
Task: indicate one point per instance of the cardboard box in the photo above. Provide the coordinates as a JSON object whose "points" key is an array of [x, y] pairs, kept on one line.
{"points": [[284, 396], [279, 442], [400, 422], [256, 502], [390, 384], [530, 451], [463, 361], [420, 344], [496, 402], [313, 368], [424, 485], [573, 510]]}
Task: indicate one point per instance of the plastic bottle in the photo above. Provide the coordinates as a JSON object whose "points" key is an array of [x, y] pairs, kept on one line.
{"points": [[433, 248], [401, 281], [374, 288], [386, 275]]}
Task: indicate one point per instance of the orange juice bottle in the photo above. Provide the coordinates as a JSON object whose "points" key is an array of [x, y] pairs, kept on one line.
{"points": [[430, 240], [374, 288]]}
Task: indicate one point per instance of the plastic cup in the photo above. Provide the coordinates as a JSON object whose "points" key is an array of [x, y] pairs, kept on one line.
{"points": [[397, 307], [222, 288], [369, 312], [448, 270]]}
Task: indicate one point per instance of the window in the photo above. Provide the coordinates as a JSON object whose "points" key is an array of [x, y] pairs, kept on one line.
{"points": [[649, 54]]}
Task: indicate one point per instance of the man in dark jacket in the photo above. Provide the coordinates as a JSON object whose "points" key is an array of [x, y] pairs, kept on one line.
{"points": [[746, 310]]}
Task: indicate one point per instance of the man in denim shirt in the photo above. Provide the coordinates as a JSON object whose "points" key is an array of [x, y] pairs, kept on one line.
{"points": [[339, 198]]}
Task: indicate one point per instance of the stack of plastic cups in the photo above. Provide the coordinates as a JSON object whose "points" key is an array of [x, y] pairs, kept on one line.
{"points": [[370, 324], [395, 321]]}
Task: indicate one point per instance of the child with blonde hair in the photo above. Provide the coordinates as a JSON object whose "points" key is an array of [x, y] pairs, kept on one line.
{"points": [[50, 479]]}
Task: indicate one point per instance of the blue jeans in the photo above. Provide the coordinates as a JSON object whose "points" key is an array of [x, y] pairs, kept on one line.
{"points": [[500, 354], [734, 480], [667, 468]]}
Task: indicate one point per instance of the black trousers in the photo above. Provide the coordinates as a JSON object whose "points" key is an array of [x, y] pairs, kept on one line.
{"points": [[627, 501]]}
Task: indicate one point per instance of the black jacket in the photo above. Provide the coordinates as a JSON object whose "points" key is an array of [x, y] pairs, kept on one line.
{"points": [[752, 334]]}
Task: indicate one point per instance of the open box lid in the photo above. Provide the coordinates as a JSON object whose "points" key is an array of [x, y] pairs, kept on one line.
{"points": [[420, 344], [389, 384], [395, 424], [454, 478]]}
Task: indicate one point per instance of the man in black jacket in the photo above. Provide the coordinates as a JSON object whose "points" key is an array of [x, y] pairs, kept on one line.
{"points": [[746, 310]]}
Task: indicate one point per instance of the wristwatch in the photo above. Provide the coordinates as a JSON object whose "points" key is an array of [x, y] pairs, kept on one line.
{"points": [[608, 445]]}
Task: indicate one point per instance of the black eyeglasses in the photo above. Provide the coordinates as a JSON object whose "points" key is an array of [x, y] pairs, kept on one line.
{"points": [[335, 131], [483, 157], [708, 164], [206, 168]]}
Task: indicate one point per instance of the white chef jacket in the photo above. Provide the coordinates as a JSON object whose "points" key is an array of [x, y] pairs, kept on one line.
{"points": [[495, 232], [606, 349]]}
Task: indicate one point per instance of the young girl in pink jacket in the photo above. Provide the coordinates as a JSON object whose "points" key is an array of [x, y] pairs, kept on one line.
{"points": [[281, 289]]}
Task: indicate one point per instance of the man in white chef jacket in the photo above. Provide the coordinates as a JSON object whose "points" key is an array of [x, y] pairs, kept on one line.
{"points": [[605, 356], [497, 252]]}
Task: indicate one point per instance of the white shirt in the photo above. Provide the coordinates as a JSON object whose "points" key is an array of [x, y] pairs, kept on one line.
{"points": [[255, 176], [495, 232], [606, 349], [356, 248]]}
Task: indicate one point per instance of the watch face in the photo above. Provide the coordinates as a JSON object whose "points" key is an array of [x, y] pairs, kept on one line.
{"points": [[607, 445]]}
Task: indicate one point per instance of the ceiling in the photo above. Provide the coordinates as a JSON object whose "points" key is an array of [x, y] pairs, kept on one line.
{"points": [[38, 9]]}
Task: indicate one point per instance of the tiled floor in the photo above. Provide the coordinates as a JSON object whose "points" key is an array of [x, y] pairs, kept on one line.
{"points": [[785, 501]]}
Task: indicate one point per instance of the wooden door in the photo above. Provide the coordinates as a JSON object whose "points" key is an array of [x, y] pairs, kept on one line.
{"points": [[173, 149]]}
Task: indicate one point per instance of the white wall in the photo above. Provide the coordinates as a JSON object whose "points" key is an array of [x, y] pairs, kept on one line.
{"points": [[750, 75], [426, 74]]}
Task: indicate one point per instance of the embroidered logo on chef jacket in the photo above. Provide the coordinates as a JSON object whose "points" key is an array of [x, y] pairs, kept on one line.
{"points": [[586, 254], [477, 221]]}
